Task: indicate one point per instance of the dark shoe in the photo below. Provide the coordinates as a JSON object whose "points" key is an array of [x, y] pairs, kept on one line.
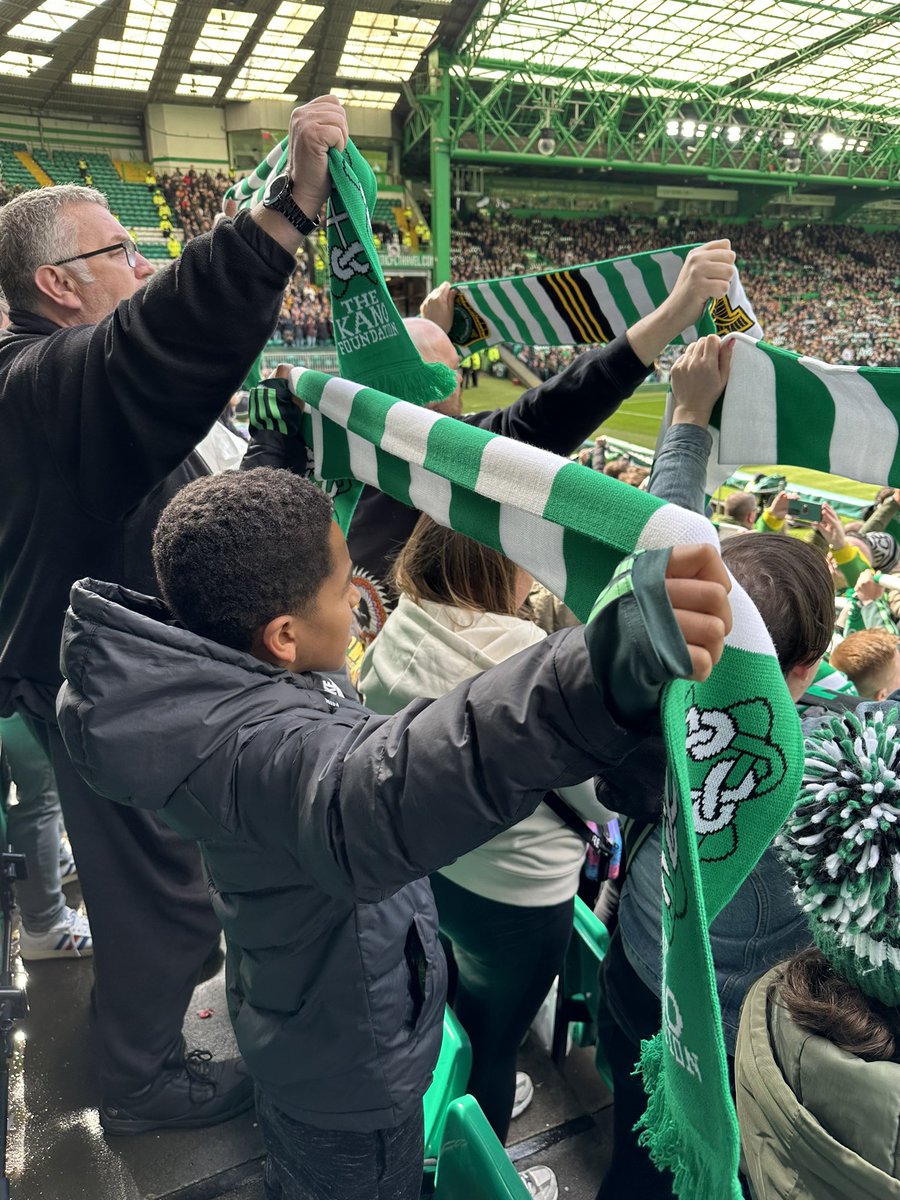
{"points": [[195, 1094]]}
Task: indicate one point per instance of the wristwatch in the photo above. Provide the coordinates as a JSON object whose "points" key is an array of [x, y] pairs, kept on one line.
{"points": [[279, 198]]}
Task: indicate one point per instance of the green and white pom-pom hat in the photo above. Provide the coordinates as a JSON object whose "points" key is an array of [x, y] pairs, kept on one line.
{"points": [[842, 846]]}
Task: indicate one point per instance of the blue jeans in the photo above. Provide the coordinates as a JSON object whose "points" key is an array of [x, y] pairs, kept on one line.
{"points": [[34, 826], [307, 1163]]}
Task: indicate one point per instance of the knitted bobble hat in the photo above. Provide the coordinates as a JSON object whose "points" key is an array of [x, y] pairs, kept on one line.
{"points": [[885, 550], [842, 846]]}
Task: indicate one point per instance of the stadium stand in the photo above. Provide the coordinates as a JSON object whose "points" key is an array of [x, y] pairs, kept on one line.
{"points": [[773, 125]]}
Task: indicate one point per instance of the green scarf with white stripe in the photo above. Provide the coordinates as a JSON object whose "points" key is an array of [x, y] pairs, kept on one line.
{"points": [[781, 407], [733, 742], [586, 305]]}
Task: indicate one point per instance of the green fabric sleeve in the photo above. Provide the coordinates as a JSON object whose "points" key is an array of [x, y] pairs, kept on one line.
{"points": [[633, 640]]}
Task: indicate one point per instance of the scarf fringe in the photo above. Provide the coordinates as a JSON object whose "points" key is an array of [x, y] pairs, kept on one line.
{"points": [[692, 1177], [416, 382]]}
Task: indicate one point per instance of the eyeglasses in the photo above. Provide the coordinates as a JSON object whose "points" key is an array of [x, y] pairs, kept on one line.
{"points": [[127, 245]]}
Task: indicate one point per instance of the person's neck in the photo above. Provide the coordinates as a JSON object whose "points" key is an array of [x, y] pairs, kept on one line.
{"points": [[65, 318]]}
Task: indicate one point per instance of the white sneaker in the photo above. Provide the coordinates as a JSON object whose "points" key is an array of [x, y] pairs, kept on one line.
{"points": [[524, 1094], [70, 939], [540, 1182]]}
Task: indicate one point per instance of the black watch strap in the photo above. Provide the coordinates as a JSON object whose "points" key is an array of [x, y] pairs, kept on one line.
{"points": [[279, 197]]}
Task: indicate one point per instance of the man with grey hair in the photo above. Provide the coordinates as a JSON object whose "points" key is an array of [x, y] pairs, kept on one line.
{"points": [[109, 377]]}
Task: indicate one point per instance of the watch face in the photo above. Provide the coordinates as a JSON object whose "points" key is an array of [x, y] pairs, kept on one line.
{"points": [[279, 187]]}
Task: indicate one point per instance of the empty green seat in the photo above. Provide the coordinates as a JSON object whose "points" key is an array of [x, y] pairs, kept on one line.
{"points": [[472, 1164], [451, 1078]]}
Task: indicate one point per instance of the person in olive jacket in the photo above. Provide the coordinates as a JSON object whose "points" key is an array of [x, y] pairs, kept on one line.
{"points": [[817, 1067]]}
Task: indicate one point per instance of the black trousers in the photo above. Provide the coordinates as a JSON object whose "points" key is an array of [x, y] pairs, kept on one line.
{"points": [[506, 957], [151, 921], [628, 1012]]}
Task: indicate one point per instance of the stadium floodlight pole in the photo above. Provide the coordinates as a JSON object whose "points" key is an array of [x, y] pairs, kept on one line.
{"points": [[439, 111]]}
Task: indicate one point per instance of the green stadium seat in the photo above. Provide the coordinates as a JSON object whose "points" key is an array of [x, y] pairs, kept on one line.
{"points": [[576, 998], [11, 170], [472, 1164], [451, 1078]]}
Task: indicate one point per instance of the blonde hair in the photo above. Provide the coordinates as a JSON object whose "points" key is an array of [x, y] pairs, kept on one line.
{"points": [[445, 567], [866, 657]]}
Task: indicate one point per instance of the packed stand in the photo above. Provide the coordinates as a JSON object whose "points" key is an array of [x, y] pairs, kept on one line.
{"points": [[315, 815], [854, 319]]}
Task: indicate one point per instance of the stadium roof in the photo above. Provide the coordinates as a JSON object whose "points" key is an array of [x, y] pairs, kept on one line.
{"points": [[838, 52], [89, 55]]}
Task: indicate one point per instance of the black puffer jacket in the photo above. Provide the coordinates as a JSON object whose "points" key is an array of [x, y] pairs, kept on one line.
{"points": [[98, 424], [318, 820]]}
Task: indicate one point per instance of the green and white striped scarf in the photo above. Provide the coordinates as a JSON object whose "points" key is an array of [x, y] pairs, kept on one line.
{"points": [[782, 407], [733, 742], [586, 305]]}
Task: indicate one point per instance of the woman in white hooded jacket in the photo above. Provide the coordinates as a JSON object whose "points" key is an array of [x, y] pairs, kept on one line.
{"points": [[507, 907]]}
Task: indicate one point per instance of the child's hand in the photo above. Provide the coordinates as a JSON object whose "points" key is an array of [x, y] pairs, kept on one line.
{"points": [[699, 378], [866, 589], [698, 587], [831, 528]]}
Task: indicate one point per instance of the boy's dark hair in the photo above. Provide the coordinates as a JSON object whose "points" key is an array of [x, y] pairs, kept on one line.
{"points": [[790, 584], [233, 551]]}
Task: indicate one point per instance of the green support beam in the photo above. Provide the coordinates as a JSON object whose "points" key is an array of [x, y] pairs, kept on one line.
{"points": [[439, 113], [641, 130], [752, 200]]}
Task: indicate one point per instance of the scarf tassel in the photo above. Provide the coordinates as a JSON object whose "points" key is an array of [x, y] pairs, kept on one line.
{"points": [[692, 1175], [416, 382]]}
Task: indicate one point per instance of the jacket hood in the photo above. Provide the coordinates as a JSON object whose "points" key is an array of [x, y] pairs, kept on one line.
{"points": [[145, 702], [815, 1120], [426, 649]]}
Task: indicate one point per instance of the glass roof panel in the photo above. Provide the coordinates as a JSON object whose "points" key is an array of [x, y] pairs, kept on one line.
{"points": [[13, 62], [366, 97], [130, 64], [54, 17], [385, 47], [198, 85], [222, 36], [277, 57], [707, 42]]}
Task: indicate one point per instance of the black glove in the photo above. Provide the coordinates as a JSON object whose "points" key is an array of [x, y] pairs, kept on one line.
{"points": [[272, 407]]}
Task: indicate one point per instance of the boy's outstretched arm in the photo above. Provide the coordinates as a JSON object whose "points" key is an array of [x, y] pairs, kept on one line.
{"points": [[378, 801]]}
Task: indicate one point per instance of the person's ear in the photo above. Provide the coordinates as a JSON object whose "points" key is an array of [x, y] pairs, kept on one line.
{"points": [[800, 676], [276, 642], [57, 285], [881, 693]]}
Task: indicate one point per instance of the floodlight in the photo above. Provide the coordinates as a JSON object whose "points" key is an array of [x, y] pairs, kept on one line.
{"points": [[788, 137], [672, 128], [830, 142], [546, 142], [733, 133], [688, 128]]}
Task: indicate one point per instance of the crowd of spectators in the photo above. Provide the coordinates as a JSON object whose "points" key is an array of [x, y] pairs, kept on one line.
{"points": [[305, 318], [829, 291], [9, 193], [195, 197]]}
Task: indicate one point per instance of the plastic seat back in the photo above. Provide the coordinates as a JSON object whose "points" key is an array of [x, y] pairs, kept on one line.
{"points": [[473, 1164], [579, 986], [451, 1079]]}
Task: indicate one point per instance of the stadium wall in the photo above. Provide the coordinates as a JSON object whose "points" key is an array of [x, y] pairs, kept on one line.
{"points": [[81, 134], [182, 136]]}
